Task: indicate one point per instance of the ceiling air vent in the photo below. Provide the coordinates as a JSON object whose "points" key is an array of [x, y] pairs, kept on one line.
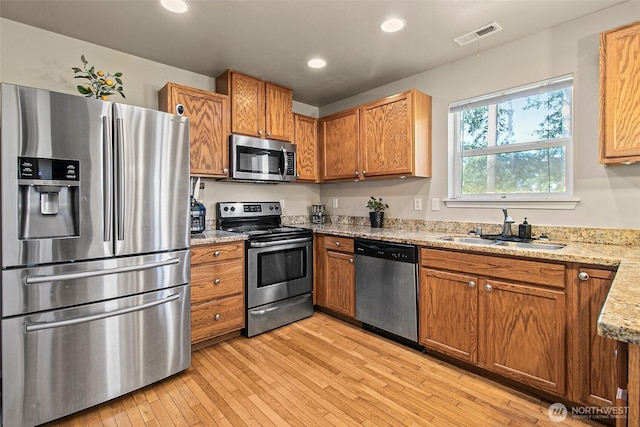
{"points": [[478, 34]]}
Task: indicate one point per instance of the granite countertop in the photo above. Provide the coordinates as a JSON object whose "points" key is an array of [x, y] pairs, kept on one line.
{"points": [[620, 315], [216, 236]]}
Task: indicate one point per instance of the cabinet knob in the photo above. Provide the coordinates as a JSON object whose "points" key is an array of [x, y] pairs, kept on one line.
{"points": [[583, 275], [488, 288], [216, 253], [217, 316], [260, 132], [268, 133], [337, 243], [351, 260], [357, 173], [472, 284], [216, 282], [364, 172], [225, 171], [297, 175], [615, 353]]}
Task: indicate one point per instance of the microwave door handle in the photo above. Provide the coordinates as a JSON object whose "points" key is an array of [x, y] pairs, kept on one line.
{"points": [[285, 162]]}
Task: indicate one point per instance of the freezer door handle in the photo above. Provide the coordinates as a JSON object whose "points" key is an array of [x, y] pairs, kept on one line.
{"points": [[34, 280], [107, 178], [33, 327], [120, 184]]}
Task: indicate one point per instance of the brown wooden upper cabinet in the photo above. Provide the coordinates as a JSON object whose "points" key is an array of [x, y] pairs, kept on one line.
{"points": [[385, 138], [619, 100], [208, 114], [305, 136], [258, 108]]}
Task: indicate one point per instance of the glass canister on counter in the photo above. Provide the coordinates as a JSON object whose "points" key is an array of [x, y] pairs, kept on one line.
{"points": [[318, 215]]}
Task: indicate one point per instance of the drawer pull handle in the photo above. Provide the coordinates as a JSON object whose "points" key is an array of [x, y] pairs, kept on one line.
{"points": [[216, 253], [217, 316], [337, 243], [216, 282]]}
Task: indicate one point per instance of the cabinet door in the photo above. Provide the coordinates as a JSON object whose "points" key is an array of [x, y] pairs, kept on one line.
{"points": [[619, 100], [339, 276], [386, 142], [208, 114], [306, 140], [523, 333], [599, 358], [340, 135], [449, 313], [278, 112], [247, 105]]}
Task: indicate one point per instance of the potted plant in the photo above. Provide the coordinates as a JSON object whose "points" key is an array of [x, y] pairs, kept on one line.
{"points": [[376, 214]]}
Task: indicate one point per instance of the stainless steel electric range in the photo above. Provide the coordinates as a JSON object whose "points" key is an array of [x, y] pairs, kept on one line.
{"points": [[279, 264]]}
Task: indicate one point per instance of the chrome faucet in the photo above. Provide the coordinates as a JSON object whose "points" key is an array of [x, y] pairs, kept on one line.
{"points": [[506, 226]]}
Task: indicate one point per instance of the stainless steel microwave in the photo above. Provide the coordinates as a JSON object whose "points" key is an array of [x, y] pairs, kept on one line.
{"points": [[257, 159]]}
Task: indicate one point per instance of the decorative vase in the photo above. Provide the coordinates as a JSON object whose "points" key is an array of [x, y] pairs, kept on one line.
{"points": [[376, 219]]}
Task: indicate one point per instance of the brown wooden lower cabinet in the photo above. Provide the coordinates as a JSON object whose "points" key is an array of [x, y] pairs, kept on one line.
{"points": [[336, 275], [598, 365], [217, 290], [513, 328]]}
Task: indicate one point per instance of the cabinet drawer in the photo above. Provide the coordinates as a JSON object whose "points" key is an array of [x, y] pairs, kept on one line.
{"points": [[211, 319], [341, 244], [212, 253], [216, 280], [541, 273]]}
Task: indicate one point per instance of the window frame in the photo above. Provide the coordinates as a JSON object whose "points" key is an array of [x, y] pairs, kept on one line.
{"points": [[564, 200]]}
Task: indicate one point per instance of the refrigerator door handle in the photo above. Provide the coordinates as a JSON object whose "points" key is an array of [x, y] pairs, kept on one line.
{"points": [[33, 327], [107, 178], [34, 280], [120, 184]]}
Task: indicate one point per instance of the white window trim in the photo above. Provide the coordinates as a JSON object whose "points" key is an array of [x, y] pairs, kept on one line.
{"points": [[565, 201]]}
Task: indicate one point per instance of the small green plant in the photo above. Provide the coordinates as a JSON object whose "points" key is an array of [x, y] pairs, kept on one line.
{"points": [[376, 205], [100, 84]]}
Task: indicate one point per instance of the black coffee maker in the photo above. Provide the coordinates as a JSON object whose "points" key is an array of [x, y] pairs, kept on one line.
{"points": [[198, 216]]}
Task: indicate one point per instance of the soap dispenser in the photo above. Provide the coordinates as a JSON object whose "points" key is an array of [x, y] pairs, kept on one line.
{"points": [[524, 230]]}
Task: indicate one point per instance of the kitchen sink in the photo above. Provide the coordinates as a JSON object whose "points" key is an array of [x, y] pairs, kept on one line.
{"points": [[469, 240], [503, 243], [526, 245]]}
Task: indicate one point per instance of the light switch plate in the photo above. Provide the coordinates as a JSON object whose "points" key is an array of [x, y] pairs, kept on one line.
{"points": [[417, 204], [435, 204]]}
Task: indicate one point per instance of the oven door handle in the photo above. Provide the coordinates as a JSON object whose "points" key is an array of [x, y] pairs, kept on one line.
{"points": [[279, 242]]}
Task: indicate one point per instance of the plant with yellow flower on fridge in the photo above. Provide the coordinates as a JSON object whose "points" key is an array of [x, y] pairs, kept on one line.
{"points": [[100, 84]]}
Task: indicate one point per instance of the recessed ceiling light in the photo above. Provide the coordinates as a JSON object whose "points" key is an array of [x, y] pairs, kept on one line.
{"points": [[175, 6], [392, 25], [317, 63]]}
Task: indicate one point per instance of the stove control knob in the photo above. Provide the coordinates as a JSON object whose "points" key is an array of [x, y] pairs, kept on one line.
{"points": [[277, 207], [226, 208], [270, 208], [233, 208]]}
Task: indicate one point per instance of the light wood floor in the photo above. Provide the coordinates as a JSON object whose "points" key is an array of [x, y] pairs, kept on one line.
{"points": [[318, 372]]}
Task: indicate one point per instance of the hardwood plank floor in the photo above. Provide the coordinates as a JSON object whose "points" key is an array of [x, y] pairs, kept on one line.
{"points": [[318, 372]]}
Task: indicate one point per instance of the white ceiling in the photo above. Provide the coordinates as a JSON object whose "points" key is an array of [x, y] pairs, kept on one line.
{"points": [[273, 39]]}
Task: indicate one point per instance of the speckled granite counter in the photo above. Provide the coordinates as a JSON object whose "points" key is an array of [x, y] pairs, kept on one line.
{"points": [[620, 316], [216, 236]]}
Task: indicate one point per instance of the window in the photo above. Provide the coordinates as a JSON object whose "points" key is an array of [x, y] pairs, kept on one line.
{"points": [[514, 145]]}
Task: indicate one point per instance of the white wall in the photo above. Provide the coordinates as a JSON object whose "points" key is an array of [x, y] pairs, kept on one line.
{"points": [[33, 57], [609, 196]]}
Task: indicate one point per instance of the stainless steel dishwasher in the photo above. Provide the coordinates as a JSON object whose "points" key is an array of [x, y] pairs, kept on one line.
{"points": [[387, 287]]}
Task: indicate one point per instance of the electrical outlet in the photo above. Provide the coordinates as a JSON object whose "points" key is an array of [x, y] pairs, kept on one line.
{"points": [[417, 204], [335, 203], [435, 204]]}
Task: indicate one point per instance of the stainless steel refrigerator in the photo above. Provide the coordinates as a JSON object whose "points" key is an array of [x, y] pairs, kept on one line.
{"points": [[95, 259]]}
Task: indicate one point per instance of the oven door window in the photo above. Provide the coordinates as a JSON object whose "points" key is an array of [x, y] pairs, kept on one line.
{"points": [[259, 160], [281, 266]]}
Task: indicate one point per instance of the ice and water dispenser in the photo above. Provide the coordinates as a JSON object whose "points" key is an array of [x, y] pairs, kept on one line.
{"points": [[48, 198]]}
